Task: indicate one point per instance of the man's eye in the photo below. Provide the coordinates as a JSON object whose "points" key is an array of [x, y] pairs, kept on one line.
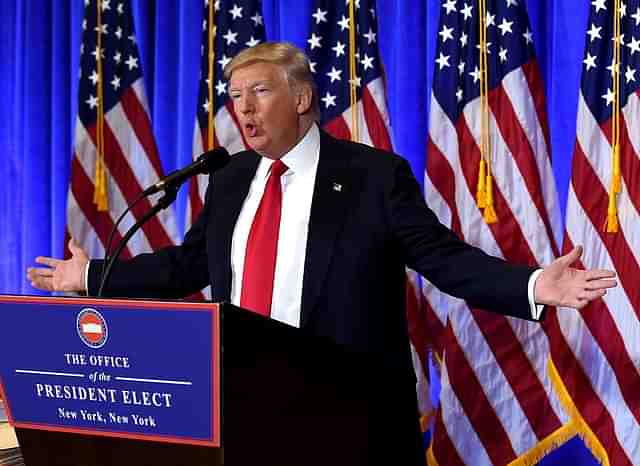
{"points": [[234, 96], [261, 90]]}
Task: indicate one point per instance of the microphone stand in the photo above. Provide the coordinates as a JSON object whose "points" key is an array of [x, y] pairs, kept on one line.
{"points": [[170, 193]]}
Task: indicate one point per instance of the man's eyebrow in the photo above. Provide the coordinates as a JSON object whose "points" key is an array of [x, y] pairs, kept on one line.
{"points": [[252, 84]]}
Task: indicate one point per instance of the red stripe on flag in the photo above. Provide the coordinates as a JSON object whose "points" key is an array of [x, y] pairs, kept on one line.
{"points": [[531, 72], [601, 324], [416, 320], [579, 387], [630, 166], [470, 393], [82, 189], [443, 179], [377, 128], [124, 177], [443, 449], [435, 328], [498, 333], [140, 124], [338, 128], [523, 154], [594, 202], [507, 229], [520, 373]]}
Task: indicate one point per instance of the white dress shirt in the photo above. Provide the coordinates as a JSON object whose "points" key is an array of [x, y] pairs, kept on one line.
{"points": [[297, 193]]}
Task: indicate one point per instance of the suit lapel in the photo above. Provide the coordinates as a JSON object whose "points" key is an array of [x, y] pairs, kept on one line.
{"points": [[331, 195], [228, 199]]}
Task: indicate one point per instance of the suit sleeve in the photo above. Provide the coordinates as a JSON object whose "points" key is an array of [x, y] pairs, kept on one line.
{"points": [[452, 265], [169, 273]]}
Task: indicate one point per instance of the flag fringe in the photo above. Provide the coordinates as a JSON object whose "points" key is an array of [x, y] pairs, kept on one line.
{"points": [[579, 424], [546, 446], [431, 458]]}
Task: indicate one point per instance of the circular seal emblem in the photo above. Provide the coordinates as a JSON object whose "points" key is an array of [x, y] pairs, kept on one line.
{"points": [[92, 328]]}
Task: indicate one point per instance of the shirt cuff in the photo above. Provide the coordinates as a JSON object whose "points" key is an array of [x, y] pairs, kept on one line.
{"points": [[536, 309], [86, 277]]}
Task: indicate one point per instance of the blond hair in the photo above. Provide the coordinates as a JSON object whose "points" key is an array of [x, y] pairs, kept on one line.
{"points": [[292, 60]]}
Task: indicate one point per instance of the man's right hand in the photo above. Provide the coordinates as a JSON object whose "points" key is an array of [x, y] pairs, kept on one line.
{"points": [[61, 275]]}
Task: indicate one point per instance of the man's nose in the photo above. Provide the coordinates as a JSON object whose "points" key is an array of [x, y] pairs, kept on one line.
{"points": [[245, 104]]}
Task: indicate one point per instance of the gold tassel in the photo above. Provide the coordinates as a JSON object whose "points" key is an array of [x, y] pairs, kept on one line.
{"points": [[612, 213], [489, 210], [100, 198], [481, 194]]}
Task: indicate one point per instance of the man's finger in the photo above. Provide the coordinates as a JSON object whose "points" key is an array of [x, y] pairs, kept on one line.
{"points": [[591, 295], [50, 261], [40, 282], [39, 272], [601, 284], [598, 274]]}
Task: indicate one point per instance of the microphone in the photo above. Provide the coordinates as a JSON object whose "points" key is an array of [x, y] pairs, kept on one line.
{"points": [[210, 161]]}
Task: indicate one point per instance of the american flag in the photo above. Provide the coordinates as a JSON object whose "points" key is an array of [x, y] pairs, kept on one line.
{"points": [[597, 352], [343, 54], [230, 25], [115, 155], [497, 404]]}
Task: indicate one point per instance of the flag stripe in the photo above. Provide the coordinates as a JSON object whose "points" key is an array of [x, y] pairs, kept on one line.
{"points": [[608, 333], [338, 128], [137, 114], [82, 191], [375, 122], [477, 430], [443, 178], [579, 386], [515, 364], [520, 151], [472, 397], [442, 445], [595, 207], [121, 172], [535, 88]]}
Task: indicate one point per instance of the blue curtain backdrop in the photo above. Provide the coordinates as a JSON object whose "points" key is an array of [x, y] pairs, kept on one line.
{"points": [[39, 52], [39, 69]]}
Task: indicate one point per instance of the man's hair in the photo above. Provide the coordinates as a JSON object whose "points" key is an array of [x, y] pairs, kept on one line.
{"points": [[292, 60]]}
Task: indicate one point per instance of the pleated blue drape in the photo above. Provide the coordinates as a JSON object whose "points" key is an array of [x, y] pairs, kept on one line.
{"points": [[39, 54], [39, 70]]}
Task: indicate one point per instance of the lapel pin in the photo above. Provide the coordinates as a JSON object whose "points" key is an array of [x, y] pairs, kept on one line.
{"points": [[337, 187]]}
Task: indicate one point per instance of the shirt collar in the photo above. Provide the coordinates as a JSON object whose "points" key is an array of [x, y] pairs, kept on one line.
{"points": [[302, 157]]}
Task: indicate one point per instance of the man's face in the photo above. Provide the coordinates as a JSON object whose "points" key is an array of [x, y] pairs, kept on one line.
{"points": [[267, 107]]}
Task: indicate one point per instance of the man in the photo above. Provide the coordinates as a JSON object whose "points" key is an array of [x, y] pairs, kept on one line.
{"points": [[317, 232]]}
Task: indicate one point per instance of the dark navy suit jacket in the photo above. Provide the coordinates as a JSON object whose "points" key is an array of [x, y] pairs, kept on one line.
{"points": [[368, 222]]}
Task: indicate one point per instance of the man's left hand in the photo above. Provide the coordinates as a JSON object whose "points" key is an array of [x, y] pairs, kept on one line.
{"points": [[559, 284]]}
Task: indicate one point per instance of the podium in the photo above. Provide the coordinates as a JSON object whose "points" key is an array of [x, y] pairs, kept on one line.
{"points": [[288, 398]]}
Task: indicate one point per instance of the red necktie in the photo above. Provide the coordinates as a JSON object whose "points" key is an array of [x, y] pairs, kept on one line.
{"points": [[262, 246]]}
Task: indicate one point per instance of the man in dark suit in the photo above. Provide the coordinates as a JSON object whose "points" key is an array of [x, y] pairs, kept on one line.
{"points": [[317, 232]]}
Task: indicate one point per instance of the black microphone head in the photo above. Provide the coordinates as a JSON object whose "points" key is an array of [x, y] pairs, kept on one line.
{"points": [[213, 160]]}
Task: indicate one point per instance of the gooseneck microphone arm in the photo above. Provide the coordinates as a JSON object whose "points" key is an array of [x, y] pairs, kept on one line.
{"points": [[164, 202], [207, 163]]}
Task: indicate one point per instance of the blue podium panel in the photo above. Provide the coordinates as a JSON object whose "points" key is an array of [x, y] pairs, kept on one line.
{"points": [[127, 368]]}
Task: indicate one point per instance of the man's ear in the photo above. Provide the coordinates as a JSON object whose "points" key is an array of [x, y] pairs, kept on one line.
{"points": [[304, 99]]}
